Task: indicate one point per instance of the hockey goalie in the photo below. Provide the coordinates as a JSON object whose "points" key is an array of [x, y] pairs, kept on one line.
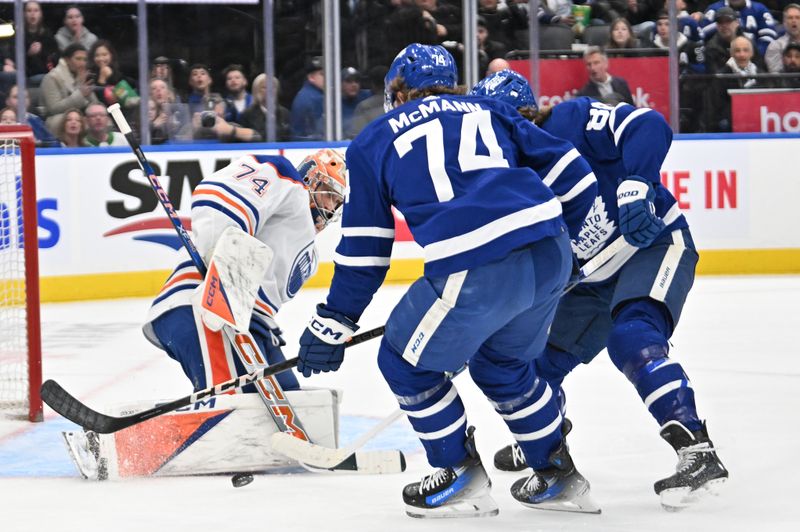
{"points": [[252, 227]]}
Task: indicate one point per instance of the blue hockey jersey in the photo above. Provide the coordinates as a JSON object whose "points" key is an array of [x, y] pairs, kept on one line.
{"points": [[473, 179], [617, 142], [755, 20]]}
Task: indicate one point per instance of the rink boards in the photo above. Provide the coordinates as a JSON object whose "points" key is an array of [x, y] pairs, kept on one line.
{"points": [[103, 234]]}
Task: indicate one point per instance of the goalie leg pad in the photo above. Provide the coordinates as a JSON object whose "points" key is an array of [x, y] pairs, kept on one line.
{"points": [[225, 434]]}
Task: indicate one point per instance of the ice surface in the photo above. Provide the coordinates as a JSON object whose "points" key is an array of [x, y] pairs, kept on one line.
{"points": [[737, 340]]}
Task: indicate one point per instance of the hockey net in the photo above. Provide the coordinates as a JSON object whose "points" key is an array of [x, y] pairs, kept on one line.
{"points": [[20, 345]]}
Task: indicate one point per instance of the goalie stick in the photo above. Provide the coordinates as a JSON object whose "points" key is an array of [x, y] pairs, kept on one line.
{"points": [[247, 351], [60, 400], [318, 457]]}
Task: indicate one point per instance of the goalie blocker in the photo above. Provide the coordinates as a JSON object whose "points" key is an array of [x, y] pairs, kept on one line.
{"points": [[223, 434]]}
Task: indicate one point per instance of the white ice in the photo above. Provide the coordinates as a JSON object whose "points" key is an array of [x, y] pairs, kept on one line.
{"points": [[737, 340]]}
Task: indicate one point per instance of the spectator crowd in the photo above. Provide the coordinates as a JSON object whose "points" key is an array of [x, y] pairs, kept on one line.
{"points": [[74, 74]]}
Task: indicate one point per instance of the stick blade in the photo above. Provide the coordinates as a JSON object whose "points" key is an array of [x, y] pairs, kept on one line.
{"points": [[60, 400]]}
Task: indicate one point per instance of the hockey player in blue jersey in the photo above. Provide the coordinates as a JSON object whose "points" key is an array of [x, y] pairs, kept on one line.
{"points": [[465, 173], [632, 305]]}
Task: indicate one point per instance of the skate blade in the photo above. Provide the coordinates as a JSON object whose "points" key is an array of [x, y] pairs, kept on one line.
{"points": [[576, 498], [677, 499], [482, 507], [584, 504]]}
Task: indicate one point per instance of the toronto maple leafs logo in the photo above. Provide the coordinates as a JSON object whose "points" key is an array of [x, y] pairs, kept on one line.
{"points": [[596, 230], [304, 266]]}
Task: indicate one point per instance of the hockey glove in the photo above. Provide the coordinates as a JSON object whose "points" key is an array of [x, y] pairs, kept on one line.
{"points": [[322, 343], [637, 214]]}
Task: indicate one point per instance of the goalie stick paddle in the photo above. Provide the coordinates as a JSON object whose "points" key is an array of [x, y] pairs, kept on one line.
{"points": [[60, 400]]}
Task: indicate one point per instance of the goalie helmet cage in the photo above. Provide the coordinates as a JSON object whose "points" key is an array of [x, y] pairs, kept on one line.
{"points": [[20, 335]]}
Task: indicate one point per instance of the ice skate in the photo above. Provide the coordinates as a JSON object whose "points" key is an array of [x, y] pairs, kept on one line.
{"points": [[459, 491], [84, 449], [510, 457], [699, 470], [559, 487]]}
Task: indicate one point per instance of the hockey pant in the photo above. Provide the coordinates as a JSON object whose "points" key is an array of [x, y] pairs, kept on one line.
{"points": [[206, 356], [633, 315], [495, 318]]}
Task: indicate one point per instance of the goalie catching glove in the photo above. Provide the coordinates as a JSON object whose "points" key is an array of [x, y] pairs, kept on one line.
{"points": [[322, 343], [638, 221]]}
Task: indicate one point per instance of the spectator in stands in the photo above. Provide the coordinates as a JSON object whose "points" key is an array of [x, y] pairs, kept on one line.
{"points": [[498, 20], [8, 70], [158, 120], [446, 18], [72, 129], [687, 23], [211, 125], [791, 65], [690, 53], [41, 48], [236, 95], [791, 25], [717, 48], [170, 116], [98, 128], [68, 85], [43, 136], [352, 95], [620, 35], [755, 21], [640, 13], [255, 116], [307, 106], [8, 116], [405, 24], [110, 85], [162, 69], [496, 65], [73, 31], [372, 107], [199, 87], [740, 63], [488, 47], [602, 85]]}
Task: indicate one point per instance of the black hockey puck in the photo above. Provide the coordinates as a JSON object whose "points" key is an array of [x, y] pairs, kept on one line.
{"points": [[241, 479]]}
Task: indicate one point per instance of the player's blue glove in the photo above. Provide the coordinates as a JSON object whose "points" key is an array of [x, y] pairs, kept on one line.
{"points": [[638, 222], [322, 343]]}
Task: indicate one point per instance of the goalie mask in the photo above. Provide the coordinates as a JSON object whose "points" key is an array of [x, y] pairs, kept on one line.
{"points": [[325, 175]]}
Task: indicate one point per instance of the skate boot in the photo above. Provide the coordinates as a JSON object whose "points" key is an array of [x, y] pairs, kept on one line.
{"points": [[458, 491], [84, 449], [559, 487], [510, 457], [699, 470]]}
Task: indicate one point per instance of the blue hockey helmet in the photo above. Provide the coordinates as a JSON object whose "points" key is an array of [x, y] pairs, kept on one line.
{"points": [[421, 66], [507, 86]]}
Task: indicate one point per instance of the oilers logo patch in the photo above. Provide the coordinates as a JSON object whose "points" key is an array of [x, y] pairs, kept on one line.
{"points": [[304, 266]]}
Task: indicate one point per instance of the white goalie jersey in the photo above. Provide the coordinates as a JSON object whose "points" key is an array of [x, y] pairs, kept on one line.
{"points": [[265, 197]]}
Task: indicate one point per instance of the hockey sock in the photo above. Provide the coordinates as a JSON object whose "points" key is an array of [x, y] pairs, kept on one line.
{"points": [[528, 406], [638, 347], [432, 405]]}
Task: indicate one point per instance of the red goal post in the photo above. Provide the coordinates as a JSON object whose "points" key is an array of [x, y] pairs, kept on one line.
{"points": [[20, 335]]}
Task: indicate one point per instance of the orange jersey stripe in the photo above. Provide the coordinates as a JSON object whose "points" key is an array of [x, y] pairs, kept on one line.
{"points": [[229, 201], [182, 277]]}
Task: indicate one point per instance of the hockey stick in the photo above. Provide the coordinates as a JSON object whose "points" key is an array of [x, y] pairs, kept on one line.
{"points": [[324, 458], [278, 406], [73, 409]]}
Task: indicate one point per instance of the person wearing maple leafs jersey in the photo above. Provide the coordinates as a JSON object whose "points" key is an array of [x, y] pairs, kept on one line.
{"points": [[632, 304]]}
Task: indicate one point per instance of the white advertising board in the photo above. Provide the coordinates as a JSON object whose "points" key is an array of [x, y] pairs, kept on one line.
{"points": [[98, 215]]}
